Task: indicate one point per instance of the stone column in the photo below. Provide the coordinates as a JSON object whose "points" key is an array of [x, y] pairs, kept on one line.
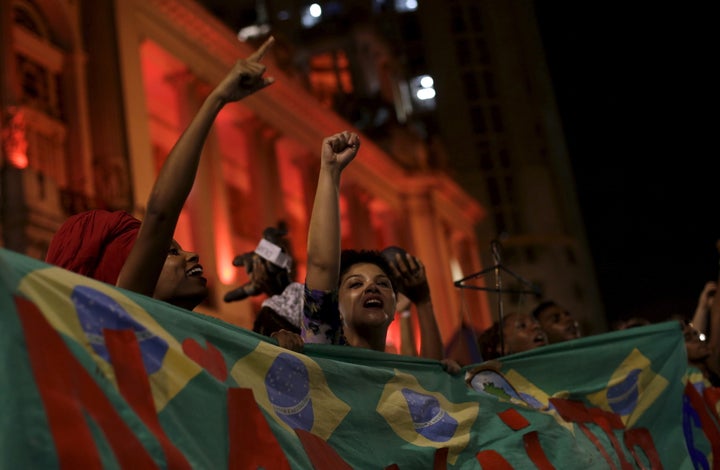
{"points": [[430, 245], [358, 203], [264, 172]]}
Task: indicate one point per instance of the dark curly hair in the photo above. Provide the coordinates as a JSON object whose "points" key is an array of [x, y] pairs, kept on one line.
{"points": [[489, 342], [349, 258], [541, 307]]}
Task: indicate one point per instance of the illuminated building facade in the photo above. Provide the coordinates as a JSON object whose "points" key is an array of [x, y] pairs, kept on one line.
{"points": [[95, 94]]}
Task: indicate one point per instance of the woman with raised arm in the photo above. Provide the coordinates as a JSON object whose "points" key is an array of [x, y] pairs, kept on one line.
{"points": [[117, 248], [141, 256], [350, 295]]}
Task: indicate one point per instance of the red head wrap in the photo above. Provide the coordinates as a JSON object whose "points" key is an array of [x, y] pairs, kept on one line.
{"points": [[95, 243]]}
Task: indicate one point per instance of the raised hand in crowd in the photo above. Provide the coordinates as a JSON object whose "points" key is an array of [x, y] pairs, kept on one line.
{"points": [[323, 255], [270, 268], [409, 274], [705, 301]]}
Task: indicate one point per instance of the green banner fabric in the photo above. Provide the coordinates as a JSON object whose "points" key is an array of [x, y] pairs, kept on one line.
{"points": [[92, 376]]}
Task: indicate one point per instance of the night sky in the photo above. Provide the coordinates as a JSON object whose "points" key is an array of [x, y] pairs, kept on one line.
{"points": [[634, 90]]}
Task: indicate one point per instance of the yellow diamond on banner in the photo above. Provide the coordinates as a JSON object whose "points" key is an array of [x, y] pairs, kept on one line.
{"points": [[424, 418], [537, 398], [292, 388], [632, 388], [80, 308], [528, 391]]}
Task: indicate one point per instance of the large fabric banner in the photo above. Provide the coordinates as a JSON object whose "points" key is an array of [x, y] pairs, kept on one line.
{"points": [[92, 376]]}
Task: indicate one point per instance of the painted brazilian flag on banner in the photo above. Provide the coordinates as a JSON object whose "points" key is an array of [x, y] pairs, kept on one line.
{"points": [[95, 377]]}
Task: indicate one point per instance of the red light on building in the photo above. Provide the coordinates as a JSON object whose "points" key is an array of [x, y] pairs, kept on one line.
{"points": [[13, 139]]}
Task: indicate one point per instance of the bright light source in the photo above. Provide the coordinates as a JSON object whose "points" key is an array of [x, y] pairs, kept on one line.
{"points": [[425, 94], [315, 10], [406, 5], [311, 15], [701, 336], [427, 81]]}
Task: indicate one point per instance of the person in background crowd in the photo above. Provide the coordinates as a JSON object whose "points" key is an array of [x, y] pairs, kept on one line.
{"points": [[699, 353], [702, 341], [417, 291], [631, 322], [557, 322], [270, 268], [704, 305], [521, 332], [702, 334]]}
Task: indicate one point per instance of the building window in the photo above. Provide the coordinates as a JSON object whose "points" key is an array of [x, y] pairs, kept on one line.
{"points": [[462, 52], [457, 20], [475, 18], [499, 218], [35, 85], [494, 191], [504, 158], [330, 76], [29, 18], [486, 160], [483, 54], [497, 121], [477, 117], [39, 66], [489, 81], [470, 84]]}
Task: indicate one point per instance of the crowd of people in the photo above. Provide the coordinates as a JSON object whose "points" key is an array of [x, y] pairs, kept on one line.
{"points": [[349, 297]]}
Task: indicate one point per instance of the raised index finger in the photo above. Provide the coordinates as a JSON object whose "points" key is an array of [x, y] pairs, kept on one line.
{"points": [[258, 54]]}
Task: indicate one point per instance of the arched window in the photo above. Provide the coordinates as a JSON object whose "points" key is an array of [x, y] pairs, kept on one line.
{"points": [[39, 62]]}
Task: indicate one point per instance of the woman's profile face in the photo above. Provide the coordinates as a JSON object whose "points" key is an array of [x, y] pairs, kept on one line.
{"points": [[181, 280]]}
